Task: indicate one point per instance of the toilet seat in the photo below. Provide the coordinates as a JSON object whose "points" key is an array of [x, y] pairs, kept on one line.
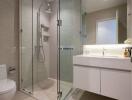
{"points": [[6, 85]]}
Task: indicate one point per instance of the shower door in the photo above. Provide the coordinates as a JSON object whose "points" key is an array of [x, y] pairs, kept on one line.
{"points": [[26, 48], [37, 41], [34, 48], [69, 42]]}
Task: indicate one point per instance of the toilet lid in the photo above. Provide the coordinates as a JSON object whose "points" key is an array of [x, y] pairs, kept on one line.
{"points": [[6, 85]]}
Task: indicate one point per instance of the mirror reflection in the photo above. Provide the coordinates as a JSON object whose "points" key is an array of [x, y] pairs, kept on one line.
{"points": [[104, 21]]}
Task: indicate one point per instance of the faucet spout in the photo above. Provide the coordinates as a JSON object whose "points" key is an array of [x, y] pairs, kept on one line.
{"points": [[103, 52], [131, 53]]}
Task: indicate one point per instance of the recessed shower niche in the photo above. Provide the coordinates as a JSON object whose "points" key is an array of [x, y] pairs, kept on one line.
{"points": [[45, 33]]}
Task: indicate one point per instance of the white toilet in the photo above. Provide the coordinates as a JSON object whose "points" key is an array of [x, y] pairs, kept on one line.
{"points": [[7, 86]]}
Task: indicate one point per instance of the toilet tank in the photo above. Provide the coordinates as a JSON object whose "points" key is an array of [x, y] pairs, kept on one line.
{"points": [[3, 72]]}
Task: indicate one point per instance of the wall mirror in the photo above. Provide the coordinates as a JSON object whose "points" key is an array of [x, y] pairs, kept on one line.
{"points": [[104, 21]]}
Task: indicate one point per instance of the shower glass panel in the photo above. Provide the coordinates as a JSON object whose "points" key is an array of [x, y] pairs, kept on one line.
{"points": [[41, 47], [26, 69], [70, 43], [38, 48]]}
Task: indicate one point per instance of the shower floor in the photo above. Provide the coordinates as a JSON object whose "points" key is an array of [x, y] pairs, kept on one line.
{"points": [[47, 90], [76, 95]]}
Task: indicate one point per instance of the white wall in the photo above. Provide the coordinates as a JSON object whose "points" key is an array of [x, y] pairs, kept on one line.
{"points": [[9, 34]]}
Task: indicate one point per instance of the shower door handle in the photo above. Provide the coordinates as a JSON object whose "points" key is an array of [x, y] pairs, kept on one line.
{"points": [[66, 48]]}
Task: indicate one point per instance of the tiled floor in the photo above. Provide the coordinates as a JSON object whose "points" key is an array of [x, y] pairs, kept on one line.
{"points": [[77, 95], [22, 96], [65, 88], [49, 91], [46, 90], [83, 95]]}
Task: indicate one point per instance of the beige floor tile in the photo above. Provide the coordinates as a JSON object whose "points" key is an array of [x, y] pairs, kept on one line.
{"points": [[45, 92], [22, 96]]}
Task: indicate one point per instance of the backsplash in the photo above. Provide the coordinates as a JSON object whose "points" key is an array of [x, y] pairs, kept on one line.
{"points": [[105, 50]]}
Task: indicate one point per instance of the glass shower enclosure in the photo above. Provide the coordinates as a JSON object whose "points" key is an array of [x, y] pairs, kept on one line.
{"points": [[26, 45], [47, 46], [70, 43], [38, 42]]}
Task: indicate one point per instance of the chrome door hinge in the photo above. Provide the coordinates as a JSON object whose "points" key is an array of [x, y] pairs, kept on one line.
{"points": [[21, 30], [59, 22], [21, 80], [59, 95]]}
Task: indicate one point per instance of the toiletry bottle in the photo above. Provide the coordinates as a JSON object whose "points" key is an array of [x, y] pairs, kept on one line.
{"points": [[126, 53]]}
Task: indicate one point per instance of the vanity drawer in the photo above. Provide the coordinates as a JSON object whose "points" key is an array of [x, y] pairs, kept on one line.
{"points": [[87, 78], [116, 84]]}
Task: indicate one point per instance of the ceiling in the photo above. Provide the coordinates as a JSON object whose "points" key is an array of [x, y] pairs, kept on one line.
{"points": [[95, 5]]}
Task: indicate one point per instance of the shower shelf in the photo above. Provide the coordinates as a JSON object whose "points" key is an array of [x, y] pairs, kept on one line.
{"points": [[46, 35]]}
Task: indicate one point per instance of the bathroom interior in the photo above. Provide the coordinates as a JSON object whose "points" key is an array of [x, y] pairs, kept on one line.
{"points": [[65, 49]]}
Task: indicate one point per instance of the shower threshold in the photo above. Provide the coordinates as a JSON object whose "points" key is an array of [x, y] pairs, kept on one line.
{"points": [[47, 90]]}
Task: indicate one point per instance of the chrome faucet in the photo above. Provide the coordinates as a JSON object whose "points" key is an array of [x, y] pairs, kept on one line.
{"points": [[103, 52], [131, 53]]}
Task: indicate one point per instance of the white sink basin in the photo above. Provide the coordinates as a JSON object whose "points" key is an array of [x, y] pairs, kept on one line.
{"points": [[112, 62]]}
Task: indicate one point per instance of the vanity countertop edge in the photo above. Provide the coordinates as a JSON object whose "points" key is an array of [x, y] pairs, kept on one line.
{"points": [[118, 63]]}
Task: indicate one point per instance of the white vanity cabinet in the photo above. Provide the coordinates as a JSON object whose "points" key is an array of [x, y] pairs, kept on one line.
{"points": [[87, 78], [111, 82], [116, 84]]}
